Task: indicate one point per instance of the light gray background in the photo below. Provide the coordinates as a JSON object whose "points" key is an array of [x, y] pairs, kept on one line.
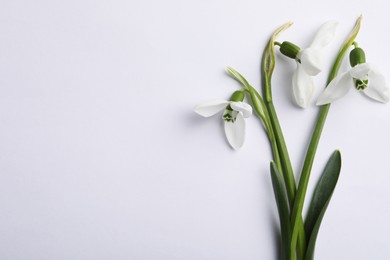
{"points": [[101, 156]]}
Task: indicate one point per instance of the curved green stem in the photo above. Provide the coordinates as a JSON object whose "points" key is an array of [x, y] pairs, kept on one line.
{"points": [[311, 151]]}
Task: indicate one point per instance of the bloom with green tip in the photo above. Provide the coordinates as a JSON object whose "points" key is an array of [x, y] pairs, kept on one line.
{"points": [[364, 77], [233, 117]]}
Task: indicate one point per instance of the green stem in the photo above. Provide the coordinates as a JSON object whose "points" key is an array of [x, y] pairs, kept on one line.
{"points": [[267, 67], [288, 175], [274, 133], [275, 150], [311, 151], [277, 43], [262, 113], [285, 158]]}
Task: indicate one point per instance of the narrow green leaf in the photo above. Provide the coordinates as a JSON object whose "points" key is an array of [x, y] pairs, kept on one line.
{"points": [[283, 209], [320, 201]]}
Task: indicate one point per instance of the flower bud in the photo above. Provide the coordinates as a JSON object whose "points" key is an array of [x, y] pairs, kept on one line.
{"points": [[289, 49], [237, 96], [357, 56]]}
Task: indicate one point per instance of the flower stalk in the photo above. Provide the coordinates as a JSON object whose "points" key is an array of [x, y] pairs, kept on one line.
{"points": [[311, 151], [298, 235], [267, 67]]}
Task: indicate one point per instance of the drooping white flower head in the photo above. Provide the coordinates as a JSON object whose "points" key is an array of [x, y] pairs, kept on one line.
{"points": [[362, 75], [367, 79], [309, 63], [233, 116]]}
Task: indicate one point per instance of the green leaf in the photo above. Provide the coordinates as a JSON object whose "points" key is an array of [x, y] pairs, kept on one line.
{"points": [[320, 201], [283, 209]]}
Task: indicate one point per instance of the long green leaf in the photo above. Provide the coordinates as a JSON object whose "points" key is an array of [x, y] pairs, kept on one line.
{"points": [[320, 201], [283, 210]]}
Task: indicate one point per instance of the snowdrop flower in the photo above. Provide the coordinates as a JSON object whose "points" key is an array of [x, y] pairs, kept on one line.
{"points": [[235, 111], [364, 76], [309, 62]]}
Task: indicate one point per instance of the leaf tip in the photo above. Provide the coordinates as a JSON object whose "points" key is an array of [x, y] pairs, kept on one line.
{"points": [[229, 70]]}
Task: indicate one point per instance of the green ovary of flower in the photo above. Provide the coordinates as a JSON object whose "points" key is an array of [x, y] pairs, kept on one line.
{"points": [[361, 84]]}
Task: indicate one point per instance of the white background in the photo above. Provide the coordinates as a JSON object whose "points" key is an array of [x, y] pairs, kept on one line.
{"points": [[101, 156]]}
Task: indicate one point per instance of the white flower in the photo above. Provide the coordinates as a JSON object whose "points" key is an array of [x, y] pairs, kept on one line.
{"points": [[235, 112], [309, 63], [366, 78]]}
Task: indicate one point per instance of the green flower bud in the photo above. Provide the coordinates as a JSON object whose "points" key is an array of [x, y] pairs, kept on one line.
{"points": [[237, 96], [357, 56], [289, 49]]}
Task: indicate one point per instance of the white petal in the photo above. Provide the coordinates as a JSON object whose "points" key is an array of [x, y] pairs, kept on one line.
{"points": [[377, 88], [360, 71], [311, 61], [303, 86], [235, 132], [243, 107], [211, 108], [324, 35], [336, 89]]}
